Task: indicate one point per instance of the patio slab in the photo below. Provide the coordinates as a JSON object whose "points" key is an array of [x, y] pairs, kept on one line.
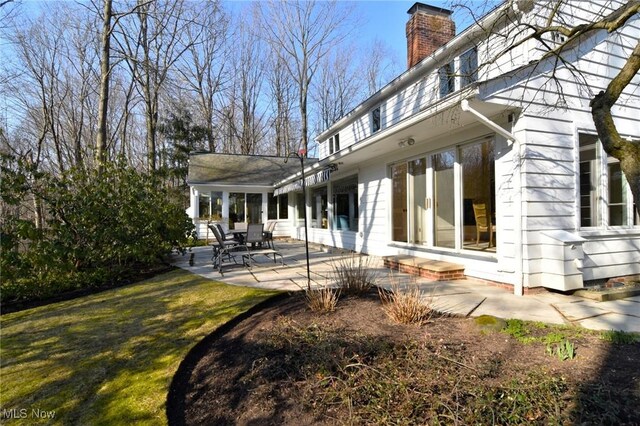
{"points": [[612, 321], [461, 297]]}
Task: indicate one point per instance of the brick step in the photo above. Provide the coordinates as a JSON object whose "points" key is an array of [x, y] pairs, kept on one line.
{"points": [[436, 270]]}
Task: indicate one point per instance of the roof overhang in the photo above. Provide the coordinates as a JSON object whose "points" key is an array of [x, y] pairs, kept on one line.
{"points": [[443, 118]]}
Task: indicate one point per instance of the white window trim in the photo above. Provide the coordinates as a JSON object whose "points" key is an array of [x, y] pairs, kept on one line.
{"points": [[602, 193]]}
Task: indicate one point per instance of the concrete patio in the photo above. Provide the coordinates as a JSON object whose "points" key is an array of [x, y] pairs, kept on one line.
{"points": [[464, 298]]}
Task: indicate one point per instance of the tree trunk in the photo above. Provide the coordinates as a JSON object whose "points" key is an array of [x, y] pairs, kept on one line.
{"points": [[626, 151], [101, 141]]}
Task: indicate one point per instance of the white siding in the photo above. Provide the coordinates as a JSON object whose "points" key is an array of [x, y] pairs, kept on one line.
{"points": [[536, 178]]}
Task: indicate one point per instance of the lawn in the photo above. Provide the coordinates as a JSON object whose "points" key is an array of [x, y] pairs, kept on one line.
{"points": [[109, 358]]}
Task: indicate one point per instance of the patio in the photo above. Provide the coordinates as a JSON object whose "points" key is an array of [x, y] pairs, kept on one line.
{"points": [[462, 297]]}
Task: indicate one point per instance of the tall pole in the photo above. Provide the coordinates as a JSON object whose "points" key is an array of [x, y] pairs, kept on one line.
{"points": [[301, 155], [306, 234]]}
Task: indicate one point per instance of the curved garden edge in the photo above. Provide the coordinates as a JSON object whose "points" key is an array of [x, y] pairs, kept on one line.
{"points": [[175, 406]]}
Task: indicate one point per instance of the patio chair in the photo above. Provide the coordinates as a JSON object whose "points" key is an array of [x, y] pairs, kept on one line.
{"points": [[224, 235], [254, 240], [483, 221], [267, 235], [221, 249]]}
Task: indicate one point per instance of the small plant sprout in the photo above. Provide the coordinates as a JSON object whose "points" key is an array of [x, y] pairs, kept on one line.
{"points": [[564, 350]]}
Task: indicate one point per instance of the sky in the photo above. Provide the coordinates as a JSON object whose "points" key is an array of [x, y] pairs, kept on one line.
{"points": [[383, 19]]}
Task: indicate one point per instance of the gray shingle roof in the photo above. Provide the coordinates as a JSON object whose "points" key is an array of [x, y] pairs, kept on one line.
{"points": [[230, 169]]}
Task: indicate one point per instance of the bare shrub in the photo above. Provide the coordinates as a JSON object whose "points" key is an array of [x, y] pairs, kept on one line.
{"points": [[322, 299], [355, 274], [405, 305]]}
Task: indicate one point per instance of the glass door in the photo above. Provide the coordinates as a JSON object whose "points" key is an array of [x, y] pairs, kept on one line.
{"points": [[399, 202], [417, 201], [444, 199], [254, 208]]}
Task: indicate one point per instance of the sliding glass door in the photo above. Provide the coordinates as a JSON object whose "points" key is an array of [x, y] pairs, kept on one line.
{"points": [[443, 199], [446, 199]]}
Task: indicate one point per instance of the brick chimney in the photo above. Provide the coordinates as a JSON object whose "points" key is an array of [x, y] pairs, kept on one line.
{"points": [[428, 28]]}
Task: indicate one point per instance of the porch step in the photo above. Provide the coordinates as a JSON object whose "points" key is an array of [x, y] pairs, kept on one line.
{"points": [[436, 270]]}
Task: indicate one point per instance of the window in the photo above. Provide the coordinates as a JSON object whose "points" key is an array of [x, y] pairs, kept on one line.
{"points": [[334, 143], [604, 192], [216, 205], [204, 205], [272, 207], [300, 207], [446, 78], [283, 206], [469, 67], [236, 207], [375, 120], [319, 208], [345, 204]]}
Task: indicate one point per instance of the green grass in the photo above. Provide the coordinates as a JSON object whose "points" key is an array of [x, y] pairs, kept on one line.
{"points": [[109, 358]]}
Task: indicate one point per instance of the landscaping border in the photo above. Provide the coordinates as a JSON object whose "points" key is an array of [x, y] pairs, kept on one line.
{"points": [[175, 405]]}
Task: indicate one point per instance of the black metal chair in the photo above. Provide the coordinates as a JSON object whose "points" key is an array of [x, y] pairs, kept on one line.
{"points": [[225, 248]]}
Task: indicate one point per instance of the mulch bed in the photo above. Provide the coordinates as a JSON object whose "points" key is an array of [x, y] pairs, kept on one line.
{"points": [[267, 367]]}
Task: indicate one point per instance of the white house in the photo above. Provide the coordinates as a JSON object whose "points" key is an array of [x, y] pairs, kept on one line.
{"points": [[482, 160]]}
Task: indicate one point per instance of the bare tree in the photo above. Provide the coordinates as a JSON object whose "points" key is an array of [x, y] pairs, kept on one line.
{"points": [[303, 33], [151, 43], [282, 93], [202, 68], [336, 89], [378, 66]]}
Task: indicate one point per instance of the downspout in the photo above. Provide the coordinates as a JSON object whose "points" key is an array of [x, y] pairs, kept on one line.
{"points": [[518, 288], [484, 120]]}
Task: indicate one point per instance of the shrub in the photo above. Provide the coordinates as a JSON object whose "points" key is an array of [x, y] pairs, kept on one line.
{"points": [[405, 306], [322, 299], [97, 227], [355, 274]]}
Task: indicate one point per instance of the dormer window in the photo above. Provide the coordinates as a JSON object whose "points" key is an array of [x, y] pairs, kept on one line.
{"points": [[469, 67], [334, 143], [446, 79], [375, 120]]}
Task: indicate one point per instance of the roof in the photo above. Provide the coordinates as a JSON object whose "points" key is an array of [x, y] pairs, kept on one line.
{"points": [[234, 169]]}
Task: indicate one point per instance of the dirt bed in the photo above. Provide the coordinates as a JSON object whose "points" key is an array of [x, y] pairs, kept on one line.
{"points": [[288, 365]]}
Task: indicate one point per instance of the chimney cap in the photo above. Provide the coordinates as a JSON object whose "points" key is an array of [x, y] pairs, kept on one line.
{"points": [[433, 10]]}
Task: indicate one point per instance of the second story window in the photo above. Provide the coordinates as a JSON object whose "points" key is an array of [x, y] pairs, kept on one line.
{"points": [[446, 79], [375, 120], [469, 67], [334, 143]]}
